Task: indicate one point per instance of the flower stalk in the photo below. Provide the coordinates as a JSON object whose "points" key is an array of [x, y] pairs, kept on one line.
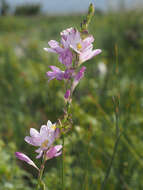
{"points": [[63, 166], [74, 48], [40, 182]]}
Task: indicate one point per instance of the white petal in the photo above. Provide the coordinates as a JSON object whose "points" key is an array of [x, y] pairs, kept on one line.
{"points": [[50, 50], [43, 130], [58, 147], [49, 124], [34, 132], [40, 154]]}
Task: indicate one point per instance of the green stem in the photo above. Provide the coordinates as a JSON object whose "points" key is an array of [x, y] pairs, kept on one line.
{"points": [[111, 162], [40, 183], [63, 169], [87, 20], [118, 135]]}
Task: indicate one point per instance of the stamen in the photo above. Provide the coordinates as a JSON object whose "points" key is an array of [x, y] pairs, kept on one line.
{"points": [[45, 143], [54, 127], [79, 46], [61, 45]]}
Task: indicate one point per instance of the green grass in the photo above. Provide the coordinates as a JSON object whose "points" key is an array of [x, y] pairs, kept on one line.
{"points": [[28, 100]]}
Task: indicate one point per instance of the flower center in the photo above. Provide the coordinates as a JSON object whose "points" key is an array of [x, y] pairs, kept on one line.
{"points": [[54, 127], [79, 46], [61, 45], [44, 144]]}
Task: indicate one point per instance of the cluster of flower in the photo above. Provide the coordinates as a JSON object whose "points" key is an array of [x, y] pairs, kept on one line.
{"points": [[43, 140], [73, 50]]}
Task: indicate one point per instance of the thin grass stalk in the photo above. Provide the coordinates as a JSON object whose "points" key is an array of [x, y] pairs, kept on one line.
{"points": [[116, 103]]}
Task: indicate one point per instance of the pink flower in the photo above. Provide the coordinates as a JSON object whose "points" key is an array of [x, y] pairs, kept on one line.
{"points": [[67, 32], [56, 73], [65, 55], [44, 139], [71, 39], [54, 152], [66, 58], [83, 47], [25, 158], [89, 54], [78, 77], [68, 73], [54, 47]]}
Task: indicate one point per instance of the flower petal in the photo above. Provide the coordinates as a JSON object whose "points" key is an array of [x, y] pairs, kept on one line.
{"points": [[58, 147], [50, 50], [54, 151], [58, 154], [88, 54], [40, 151], [44, 132], [67, 94], [35, 141], [54, 68], [49, 124], [34, 132], [51, 152], [53, 44], [25, 158]]}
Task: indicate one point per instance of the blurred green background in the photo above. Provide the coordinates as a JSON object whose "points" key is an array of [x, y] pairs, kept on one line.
{"points": [[28, 100]]}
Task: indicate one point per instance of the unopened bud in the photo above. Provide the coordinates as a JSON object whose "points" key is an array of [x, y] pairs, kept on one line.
{"points": [[67, 94], [87, 20]]}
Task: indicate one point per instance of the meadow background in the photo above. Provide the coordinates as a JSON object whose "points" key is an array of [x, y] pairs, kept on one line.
{"points": [[28, 100]]}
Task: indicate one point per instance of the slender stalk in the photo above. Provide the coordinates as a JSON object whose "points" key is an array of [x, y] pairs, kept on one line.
{"points": [[111, 162], [118, 135], [40, 183], [70, 84], [63, 169]]}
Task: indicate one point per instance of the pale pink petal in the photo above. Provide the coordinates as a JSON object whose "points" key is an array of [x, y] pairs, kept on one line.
{"points": [[86, 47], [65, 33], [38, 150], [88, 55], [54, 151], [29, 140], [40, 154], [44, 132], [58, 154], [25, 158], [96, 52], [77, 37], [53, 44], [74, 47], [89, 39], [55, 73], [51, 152], [54, 68], [34, 132], [58, 147], [50, 50]]}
